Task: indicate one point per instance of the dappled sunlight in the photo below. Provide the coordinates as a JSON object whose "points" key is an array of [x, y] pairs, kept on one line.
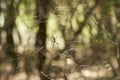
{"points": [[19, 76], [75, 76], [16, 37], [70, 62], [59, 40], [55, 39], [6, 67], [96, 72], [86, 34], [22, 29], [34, 77], [74, 24], [90, 73], [114, 63], [60, 63], [20, 49], [1, 20], [80, 13]]}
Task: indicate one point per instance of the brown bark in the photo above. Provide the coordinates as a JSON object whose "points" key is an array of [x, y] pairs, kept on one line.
{"points": [[8, 27], [41, 16]]}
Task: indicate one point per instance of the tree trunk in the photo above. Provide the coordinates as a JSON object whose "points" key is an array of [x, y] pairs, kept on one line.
{"points": [[41, 16], [8, 27]]}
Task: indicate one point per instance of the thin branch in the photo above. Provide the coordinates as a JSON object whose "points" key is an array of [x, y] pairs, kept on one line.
{"points": [[118, 50], [38, 50], [47, 76]]}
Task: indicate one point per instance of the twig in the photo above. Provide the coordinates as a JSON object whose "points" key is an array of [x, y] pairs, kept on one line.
{"points": [[112, 42], [46, 76], [118, 50], [38, 50]]}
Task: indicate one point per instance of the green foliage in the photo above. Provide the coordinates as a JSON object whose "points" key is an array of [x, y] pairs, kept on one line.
{"points": [[106, 7], [68, 30]]}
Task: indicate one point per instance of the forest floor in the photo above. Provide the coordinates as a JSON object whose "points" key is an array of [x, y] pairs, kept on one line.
{"points": [[73, 64]]}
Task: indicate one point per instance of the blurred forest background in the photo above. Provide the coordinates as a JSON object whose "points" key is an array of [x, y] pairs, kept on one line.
{"points": [[59, 39]]}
